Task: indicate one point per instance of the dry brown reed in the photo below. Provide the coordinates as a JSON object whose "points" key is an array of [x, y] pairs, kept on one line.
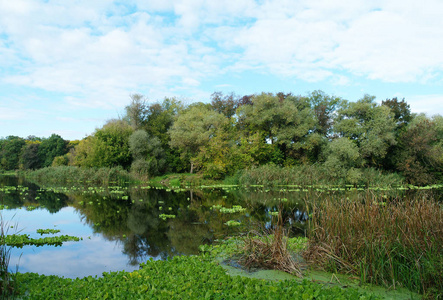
{"points": [[269, 250], [399, 241]]}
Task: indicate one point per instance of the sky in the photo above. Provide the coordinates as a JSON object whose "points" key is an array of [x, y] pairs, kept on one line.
{"points": [[66, 67]]}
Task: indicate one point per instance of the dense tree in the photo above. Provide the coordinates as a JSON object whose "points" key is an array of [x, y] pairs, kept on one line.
{"points": [[343, 159], [10, 152], [110, 145], [324, 107], [224, 104], [29, 159], [82, 155], [50, 148], [400, 109], [194, 128], [420, 157], [370, 126], [148, 155], [285, 121]]}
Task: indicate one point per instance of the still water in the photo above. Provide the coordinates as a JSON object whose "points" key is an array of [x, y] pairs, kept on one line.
{"points": [[122, 226]]}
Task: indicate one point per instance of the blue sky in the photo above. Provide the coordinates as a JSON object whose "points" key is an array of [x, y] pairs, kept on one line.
{"points": [[68, 66]]}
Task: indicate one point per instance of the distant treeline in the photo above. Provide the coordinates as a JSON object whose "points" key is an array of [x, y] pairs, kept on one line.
{"points": [[233, 133]]}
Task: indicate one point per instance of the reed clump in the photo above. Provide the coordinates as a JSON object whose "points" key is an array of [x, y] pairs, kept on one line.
{"points": [[269, 250], [395, 243]]}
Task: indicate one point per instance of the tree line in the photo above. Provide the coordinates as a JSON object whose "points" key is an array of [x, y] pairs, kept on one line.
{"points": [[233, 133]]}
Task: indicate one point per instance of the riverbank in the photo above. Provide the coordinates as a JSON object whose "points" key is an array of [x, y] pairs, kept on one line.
{"points": [[201, 277]]}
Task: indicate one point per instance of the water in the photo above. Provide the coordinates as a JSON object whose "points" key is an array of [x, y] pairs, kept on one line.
{"points": [[122, 226]]}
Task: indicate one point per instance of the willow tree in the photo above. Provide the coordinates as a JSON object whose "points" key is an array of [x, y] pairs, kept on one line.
{"points": [[370, 126], [193, 129], [283, 120]]}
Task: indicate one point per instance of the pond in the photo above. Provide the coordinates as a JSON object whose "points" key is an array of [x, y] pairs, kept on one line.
{"points": [[121, 226]]}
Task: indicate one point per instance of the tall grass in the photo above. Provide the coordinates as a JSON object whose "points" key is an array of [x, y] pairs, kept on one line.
{"points": [[63, 174], [7, 279], [315, 174], [396, 243]]}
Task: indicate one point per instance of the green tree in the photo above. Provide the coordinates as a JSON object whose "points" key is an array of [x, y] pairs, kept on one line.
{"points": [[50, 148], [282, 119], [193, 129], [370, 126], [10, 152], [324, 107], [110, 145], [420, 153], [82, 155], [29, 159], [149, 158], [343, 160]]}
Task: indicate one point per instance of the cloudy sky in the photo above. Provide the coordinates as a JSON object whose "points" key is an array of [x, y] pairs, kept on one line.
{"points": [[68, 66]]}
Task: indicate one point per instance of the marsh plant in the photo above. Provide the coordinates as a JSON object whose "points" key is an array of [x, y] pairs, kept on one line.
{"points": [[7, 278], [269, 249], [397, 242]]}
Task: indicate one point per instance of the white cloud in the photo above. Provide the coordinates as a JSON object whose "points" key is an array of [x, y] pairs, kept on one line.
{"points": [[95, 53], [429, 104]]}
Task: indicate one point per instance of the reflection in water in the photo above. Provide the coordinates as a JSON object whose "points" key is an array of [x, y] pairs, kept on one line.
{"points": [[121, 226]]}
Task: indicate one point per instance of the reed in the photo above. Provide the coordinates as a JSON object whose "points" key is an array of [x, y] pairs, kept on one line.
{"points": [[395, 243], [269, 250], [63, 174], [311, 175], [7, 278]]}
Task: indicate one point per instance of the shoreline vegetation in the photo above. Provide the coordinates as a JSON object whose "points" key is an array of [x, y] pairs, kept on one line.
{"points": [[395, 243], [269, 140], [266, 175]]}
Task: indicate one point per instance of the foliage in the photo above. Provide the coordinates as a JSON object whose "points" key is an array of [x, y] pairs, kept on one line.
{"points": [[10, 151], [421, 156], [50, 148], [111, 145], [391, 242], [333, 138], [65, 174], [20, 240], [370, 126], [284, 121], [29, 159], [149, 158], [136, 111], [191, 277], [194, 128]]}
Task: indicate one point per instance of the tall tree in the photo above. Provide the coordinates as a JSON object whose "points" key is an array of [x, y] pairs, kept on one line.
{"points": [[136, 111], [50, 148], [148, 155], [10, 152], [194, 128], [284, 120], [29, 159], [420, 155], [324, 107], [370, 126], [110, 145]]}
